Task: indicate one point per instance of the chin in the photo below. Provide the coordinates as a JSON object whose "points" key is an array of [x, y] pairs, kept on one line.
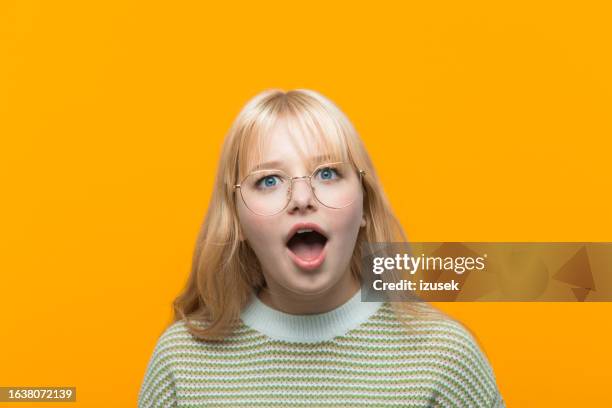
{"points": [[322, 283]]}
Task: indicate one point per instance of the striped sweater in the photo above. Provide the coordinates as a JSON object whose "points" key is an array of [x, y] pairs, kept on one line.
{"points": [[357, 355]]}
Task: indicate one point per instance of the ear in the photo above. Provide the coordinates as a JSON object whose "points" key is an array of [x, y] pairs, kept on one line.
{"points": [[363, 221]]}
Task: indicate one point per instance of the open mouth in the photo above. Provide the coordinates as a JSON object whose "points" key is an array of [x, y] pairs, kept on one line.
{"points": [[307, 244]]}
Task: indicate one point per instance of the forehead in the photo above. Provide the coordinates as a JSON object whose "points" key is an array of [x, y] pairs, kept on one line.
{"points": [[289, 143]]}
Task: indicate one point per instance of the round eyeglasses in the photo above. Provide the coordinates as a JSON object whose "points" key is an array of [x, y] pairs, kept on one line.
{"points": [[268, 192]]}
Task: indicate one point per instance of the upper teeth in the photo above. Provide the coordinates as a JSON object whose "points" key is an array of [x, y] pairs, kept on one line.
{"points": [[303, 230]]}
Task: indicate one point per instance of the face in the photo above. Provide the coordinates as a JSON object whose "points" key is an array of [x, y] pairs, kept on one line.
{"points": [[326, 265]]}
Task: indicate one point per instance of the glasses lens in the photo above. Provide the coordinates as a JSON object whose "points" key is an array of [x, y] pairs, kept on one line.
{"points": [[265, 192], [336, 185]]}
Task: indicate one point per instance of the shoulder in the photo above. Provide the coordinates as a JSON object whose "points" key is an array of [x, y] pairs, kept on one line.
{"points": [[171, 337], [448, 348], [181, 341], [420, 318], [173, 334], [176, 341]]}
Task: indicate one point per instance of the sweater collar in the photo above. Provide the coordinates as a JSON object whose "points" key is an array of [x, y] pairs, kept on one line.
{"points": [[311, 327]]}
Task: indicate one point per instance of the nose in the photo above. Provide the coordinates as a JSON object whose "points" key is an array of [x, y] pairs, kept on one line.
{"points": [[302, 197]]}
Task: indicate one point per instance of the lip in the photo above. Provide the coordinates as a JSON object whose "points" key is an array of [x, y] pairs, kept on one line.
{"points": [[305, 225]]}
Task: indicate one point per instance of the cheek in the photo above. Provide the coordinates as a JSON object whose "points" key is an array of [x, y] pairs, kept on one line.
{"points": [[256, 229], [346, 222]]}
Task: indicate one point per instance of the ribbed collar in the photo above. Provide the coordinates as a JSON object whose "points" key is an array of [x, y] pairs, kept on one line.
{"points": [[307, 328]]}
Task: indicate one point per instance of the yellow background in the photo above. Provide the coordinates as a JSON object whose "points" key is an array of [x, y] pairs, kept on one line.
{"points": [[486, 122]]}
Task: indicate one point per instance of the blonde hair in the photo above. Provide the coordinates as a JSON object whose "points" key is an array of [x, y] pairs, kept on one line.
{"points": [[225, 270]]}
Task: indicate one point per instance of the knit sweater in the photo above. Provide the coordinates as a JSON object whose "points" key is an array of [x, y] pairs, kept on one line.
{"points": [[356, 355]]}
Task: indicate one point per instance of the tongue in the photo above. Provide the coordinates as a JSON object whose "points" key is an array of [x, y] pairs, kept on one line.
{"points": [[307, 249]]}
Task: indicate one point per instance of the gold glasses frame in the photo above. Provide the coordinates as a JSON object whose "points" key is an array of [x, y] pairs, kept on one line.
{"points": [[361, 173]]}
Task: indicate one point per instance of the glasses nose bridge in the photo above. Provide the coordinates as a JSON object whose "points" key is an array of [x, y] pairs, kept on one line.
{"points": [[299, 178]]}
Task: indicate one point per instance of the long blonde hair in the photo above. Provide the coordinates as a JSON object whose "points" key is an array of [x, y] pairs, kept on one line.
{"points": [[225, 270]]}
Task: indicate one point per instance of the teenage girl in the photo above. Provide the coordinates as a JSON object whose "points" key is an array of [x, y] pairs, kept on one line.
{"points": [[274, 312]]}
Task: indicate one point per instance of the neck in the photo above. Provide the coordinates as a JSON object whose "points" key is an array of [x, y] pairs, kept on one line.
{"points": [[279, 298]]}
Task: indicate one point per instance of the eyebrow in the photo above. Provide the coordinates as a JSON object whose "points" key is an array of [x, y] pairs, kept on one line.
{"points": [[278, 163]]}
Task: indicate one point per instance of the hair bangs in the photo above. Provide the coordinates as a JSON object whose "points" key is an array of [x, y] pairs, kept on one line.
{"points": [[326, 143], [317, 136]]}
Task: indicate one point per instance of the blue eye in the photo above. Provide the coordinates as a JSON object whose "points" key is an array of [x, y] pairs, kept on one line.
{"points": [[268, 181], [327, 173]]}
